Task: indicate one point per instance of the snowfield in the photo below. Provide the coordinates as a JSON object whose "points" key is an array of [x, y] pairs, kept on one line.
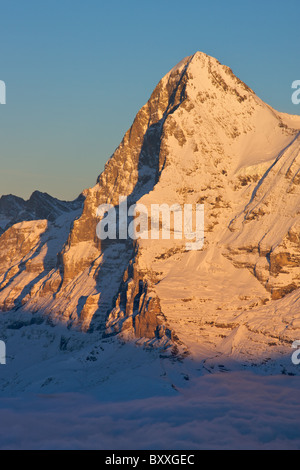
{"points": [[108, 394]]}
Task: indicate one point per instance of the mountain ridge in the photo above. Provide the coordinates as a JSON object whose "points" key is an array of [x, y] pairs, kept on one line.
{"points": [[40, 205]]}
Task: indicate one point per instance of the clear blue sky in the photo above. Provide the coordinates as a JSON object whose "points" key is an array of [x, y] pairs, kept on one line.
{"points": [[77, 72]]}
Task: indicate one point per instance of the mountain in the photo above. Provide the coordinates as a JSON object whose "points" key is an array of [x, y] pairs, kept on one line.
{"points": [[204, 137], [14, 209]]}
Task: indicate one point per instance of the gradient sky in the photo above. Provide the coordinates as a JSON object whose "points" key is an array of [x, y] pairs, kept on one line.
{"points": [[77, 72]]}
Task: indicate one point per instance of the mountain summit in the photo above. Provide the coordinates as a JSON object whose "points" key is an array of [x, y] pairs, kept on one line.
{"points": [[203, 137]]}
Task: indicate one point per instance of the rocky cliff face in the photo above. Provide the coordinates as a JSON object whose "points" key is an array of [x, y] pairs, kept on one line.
{"points": [[205, 138]]}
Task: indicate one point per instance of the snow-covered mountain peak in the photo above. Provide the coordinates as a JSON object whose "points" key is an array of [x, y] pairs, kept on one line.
{"points": [[203, 137]]}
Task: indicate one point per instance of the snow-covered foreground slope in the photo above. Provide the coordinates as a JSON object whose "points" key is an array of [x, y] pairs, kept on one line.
{"points": [[68, 300], [44, 358]]}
